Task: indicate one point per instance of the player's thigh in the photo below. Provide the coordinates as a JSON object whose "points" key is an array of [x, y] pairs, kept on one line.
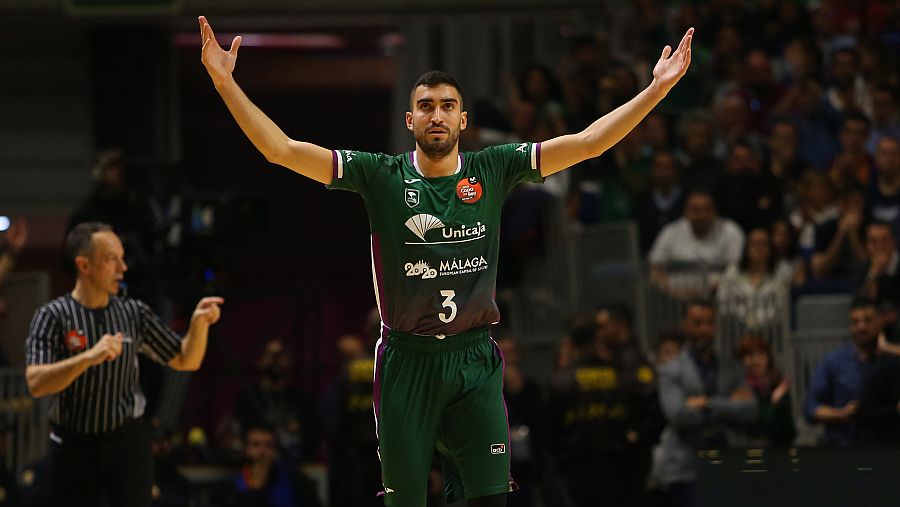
{"points": [[408, 416], [476, 431]]}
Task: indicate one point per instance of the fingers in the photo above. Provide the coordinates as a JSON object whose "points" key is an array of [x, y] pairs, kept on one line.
{"points": [[235, 44], [207, 34], [211, 300], [665, 52]]}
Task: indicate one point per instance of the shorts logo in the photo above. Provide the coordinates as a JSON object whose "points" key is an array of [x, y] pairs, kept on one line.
{"points": [[412, 197], [76, 341], [498, 448], [469, 190]]}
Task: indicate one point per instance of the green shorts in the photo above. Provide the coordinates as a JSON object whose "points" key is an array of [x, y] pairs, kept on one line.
{"points": [[445, 395]]}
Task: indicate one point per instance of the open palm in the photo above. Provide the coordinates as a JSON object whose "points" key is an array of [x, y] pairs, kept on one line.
{"points": [[671, 66], [218, 62]]}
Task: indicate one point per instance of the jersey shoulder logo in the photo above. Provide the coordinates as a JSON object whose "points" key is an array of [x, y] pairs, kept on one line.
{"points": [[411, 181], [422, 223], [469, 190], [498, 448], [412, 197]]}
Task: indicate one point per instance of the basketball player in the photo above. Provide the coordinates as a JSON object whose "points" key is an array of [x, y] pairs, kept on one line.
{"points": [[435, 217]]}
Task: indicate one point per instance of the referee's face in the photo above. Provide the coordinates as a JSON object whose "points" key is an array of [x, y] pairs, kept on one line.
{"points": [[106, 266]]}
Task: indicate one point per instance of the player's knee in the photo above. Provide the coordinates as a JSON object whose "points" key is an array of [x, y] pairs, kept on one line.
{"points": [[488, 501]]}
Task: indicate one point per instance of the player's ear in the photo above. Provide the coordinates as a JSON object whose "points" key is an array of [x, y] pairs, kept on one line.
{"points": [[409, 122], [463, 120]]}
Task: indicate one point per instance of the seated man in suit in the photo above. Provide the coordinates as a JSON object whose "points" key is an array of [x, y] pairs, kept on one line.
{"points": [[705, 401]]}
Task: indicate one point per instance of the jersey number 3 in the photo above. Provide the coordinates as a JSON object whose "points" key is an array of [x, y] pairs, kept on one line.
{"points": [[448, 303]]}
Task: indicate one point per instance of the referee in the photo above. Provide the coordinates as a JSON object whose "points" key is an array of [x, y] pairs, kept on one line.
{"points": [[82, 348]]}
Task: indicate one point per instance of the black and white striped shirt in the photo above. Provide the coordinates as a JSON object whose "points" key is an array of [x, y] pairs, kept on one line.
{"points": [[106, 395]]}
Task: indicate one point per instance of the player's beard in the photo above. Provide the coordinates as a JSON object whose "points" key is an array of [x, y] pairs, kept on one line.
{"points": [[438, 149]]}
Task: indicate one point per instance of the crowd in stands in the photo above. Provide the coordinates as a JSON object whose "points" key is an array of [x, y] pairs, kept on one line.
{"points": [[772, 170]]}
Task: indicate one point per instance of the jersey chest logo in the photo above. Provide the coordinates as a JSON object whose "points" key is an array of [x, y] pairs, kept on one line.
{"points": [[412, 197], [76, 341], [469, 190]]}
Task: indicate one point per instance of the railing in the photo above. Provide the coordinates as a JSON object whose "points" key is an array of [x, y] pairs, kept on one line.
{"points": [[24, 420]]}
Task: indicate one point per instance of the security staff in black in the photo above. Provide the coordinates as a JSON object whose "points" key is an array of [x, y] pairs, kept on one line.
{"points": [[82, 349], [597, 408]]}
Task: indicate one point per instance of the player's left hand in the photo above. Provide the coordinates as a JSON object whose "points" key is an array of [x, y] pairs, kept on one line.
{"points": [[671, 66], [208, 311]]}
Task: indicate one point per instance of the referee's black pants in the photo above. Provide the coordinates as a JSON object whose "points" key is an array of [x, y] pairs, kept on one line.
{"points": [[113, 469]]}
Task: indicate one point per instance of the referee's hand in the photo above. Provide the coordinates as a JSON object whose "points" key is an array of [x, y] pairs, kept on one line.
{"points": [[107, 349], [207, 310]]}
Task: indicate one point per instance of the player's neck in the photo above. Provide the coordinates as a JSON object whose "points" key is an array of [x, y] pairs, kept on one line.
{"points": [[89, 297], [437, 167]]}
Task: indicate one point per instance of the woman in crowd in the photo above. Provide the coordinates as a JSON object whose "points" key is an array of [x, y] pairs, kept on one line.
{"points": [[775, 423]]}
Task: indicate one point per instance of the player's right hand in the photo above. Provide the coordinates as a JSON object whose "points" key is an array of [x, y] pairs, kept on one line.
{"points": [[107, 349], [218, 62]]}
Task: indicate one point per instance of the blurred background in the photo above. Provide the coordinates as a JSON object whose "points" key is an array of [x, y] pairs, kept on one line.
{"points": [[784, 132]]}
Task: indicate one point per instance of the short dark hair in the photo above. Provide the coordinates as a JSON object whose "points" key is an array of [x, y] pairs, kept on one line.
{"points": [[860, 302], [701, 302], [435, 78], [619, 312], [858, 117], [582, 330], [78, 241]]}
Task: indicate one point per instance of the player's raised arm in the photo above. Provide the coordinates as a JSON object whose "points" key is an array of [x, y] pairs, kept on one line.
{"points": [[305, 158], [565, 151]]}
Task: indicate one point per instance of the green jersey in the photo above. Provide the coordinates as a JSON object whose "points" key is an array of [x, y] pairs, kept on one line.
{"points": [[435, 241]]}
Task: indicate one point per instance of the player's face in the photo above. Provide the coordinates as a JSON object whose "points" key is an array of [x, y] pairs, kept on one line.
{"points": [[106, 266], [436, 119]]}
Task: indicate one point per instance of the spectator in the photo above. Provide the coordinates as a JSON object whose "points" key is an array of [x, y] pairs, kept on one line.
{"points": [[272, 402], [754, 290], [759, 89], [353, 445], [115, 200], [600, 422], [817, 207], [839, 250], [690, 253], [706, 403], [879, 279], [747, 194], [885, 117], [11, 243], [668, 348], [784, 166], [695, 153], [836, 385], [784, 250], [883, 196], [879, 404], [852, 167], [817, 125], [663, 203], [265, 480], [775, 423], [848, 92], [524, 411], [538, 86]]}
